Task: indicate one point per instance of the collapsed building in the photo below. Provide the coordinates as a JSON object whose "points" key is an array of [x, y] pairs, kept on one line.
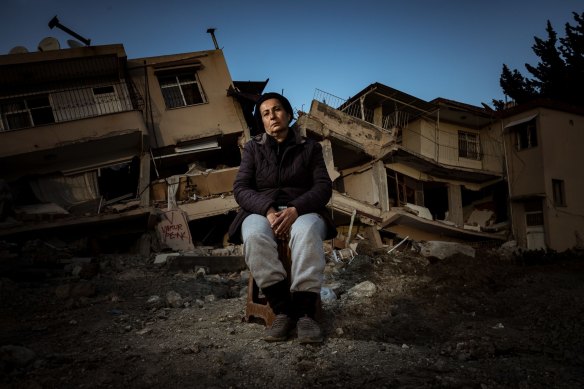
{"points": [[142, 153], [411, 168], [92, 142]]}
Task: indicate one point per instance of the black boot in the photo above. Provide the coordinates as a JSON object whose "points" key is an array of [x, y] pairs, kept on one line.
{"points": [[278, 296], [304, 304], [305, 309]]}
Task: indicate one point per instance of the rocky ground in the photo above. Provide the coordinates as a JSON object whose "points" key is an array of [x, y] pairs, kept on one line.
{"points": [[400, 320]]}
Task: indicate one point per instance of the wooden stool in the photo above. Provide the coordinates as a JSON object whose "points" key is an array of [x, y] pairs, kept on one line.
{"points": [[257, 306]]}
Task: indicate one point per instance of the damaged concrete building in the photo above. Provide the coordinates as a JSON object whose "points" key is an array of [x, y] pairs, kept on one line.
{"points": [[410, 168], [144, 152], [543, 145], [92, 143]]}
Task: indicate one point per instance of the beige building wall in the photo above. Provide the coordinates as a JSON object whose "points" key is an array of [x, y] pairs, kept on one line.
{"points": [[361, 185], [218, 115], [441, 145], [50, 136], [428, 139], [558, 156], [562, 138], [448, 146], [525, 166], [411, 139], [492, 148]]}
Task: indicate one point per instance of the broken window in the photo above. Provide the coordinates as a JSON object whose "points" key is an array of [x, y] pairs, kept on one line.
{"points": [[468, 145], [26, 112], [525, 135], [559, 194], [181, 88]]}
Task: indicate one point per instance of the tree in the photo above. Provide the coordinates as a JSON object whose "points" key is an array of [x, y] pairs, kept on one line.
{"points": [[559, 75]]}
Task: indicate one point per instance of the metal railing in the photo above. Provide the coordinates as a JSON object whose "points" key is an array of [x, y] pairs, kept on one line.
{"points": [[67, 104], [353, 108]]}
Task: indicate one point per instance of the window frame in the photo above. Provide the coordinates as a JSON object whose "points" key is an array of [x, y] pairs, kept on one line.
{"points": [[182, 86], [559, 192], [466, 144], [33, 114], [525, 135], [533, 212]]}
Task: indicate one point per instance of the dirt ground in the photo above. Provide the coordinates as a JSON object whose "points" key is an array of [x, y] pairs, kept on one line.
{"points": [[116, 321]]}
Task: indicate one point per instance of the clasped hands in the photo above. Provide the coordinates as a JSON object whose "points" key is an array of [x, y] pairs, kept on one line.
{"points": [[281, 221]]}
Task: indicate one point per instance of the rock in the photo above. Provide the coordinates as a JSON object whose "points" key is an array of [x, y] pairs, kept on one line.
{"points": [[210, 298], [441, 250], [154, 301], [174, 299], [163, 258], [362, 290], [200, 273]]}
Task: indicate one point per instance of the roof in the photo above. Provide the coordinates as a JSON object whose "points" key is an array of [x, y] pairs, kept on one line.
{"points": [[379, 94], [541, 103], [442, 109], [30, 70]]}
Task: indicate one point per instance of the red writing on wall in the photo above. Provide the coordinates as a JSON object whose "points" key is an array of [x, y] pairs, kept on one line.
{"points": [[173, 232]]}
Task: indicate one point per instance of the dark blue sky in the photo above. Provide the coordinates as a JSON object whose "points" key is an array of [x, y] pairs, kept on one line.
{"points": [[451, 49]]}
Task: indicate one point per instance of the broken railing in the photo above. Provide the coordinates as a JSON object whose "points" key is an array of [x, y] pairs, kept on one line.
{"points": [[356, 108], [353, 108]]}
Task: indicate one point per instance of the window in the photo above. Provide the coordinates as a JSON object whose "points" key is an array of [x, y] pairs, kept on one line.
{"points": [[181, 89], [468, 145], [525, 135], [559, 194], [533, 212], [27, 112]]}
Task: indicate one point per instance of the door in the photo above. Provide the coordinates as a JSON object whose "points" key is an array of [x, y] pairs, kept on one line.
{"points": [[535, 230]]}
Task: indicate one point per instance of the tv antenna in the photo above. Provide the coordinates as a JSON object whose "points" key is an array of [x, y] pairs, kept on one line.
{"points": [[212, 32], [54, 22]]}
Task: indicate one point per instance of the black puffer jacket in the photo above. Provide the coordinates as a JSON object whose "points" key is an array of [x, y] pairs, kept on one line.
{"points": [[299, 180]]}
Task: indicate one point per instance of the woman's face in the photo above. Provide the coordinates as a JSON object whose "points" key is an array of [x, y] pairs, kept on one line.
{"points": [[275, 119]]}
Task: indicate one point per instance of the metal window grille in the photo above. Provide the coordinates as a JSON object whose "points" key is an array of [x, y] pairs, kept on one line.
{"points": [[468, 145]]}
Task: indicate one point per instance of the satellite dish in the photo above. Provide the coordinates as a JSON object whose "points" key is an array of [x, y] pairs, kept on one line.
{"points": [[49, 43], [18, 50], [73, 44]]}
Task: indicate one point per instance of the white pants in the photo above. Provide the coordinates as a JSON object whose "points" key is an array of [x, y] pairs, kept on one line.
{"points": [[308, 262]]}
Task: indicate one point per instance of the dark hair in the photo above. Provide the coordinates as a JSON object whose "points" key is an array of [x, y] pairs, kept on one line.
{"points": [[271, 95]]}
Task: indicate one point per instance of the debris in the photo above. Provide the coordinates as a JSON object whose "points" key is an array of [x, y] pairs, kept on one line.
{"points": [[397, 245], [174, 299], [364, 289], [343, 255], [327, 295], [441, 250]]}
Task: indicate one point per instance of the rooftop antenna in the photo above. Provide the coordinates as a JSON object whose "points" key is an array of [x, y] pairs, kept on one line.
{"points": [[55, 23], [212, 32]]}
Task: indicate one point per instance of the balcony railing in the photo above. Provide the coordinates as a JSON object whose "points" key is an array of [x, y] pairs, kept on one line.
{"points": [[62, 105], [354, 108], [396, 119]]}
